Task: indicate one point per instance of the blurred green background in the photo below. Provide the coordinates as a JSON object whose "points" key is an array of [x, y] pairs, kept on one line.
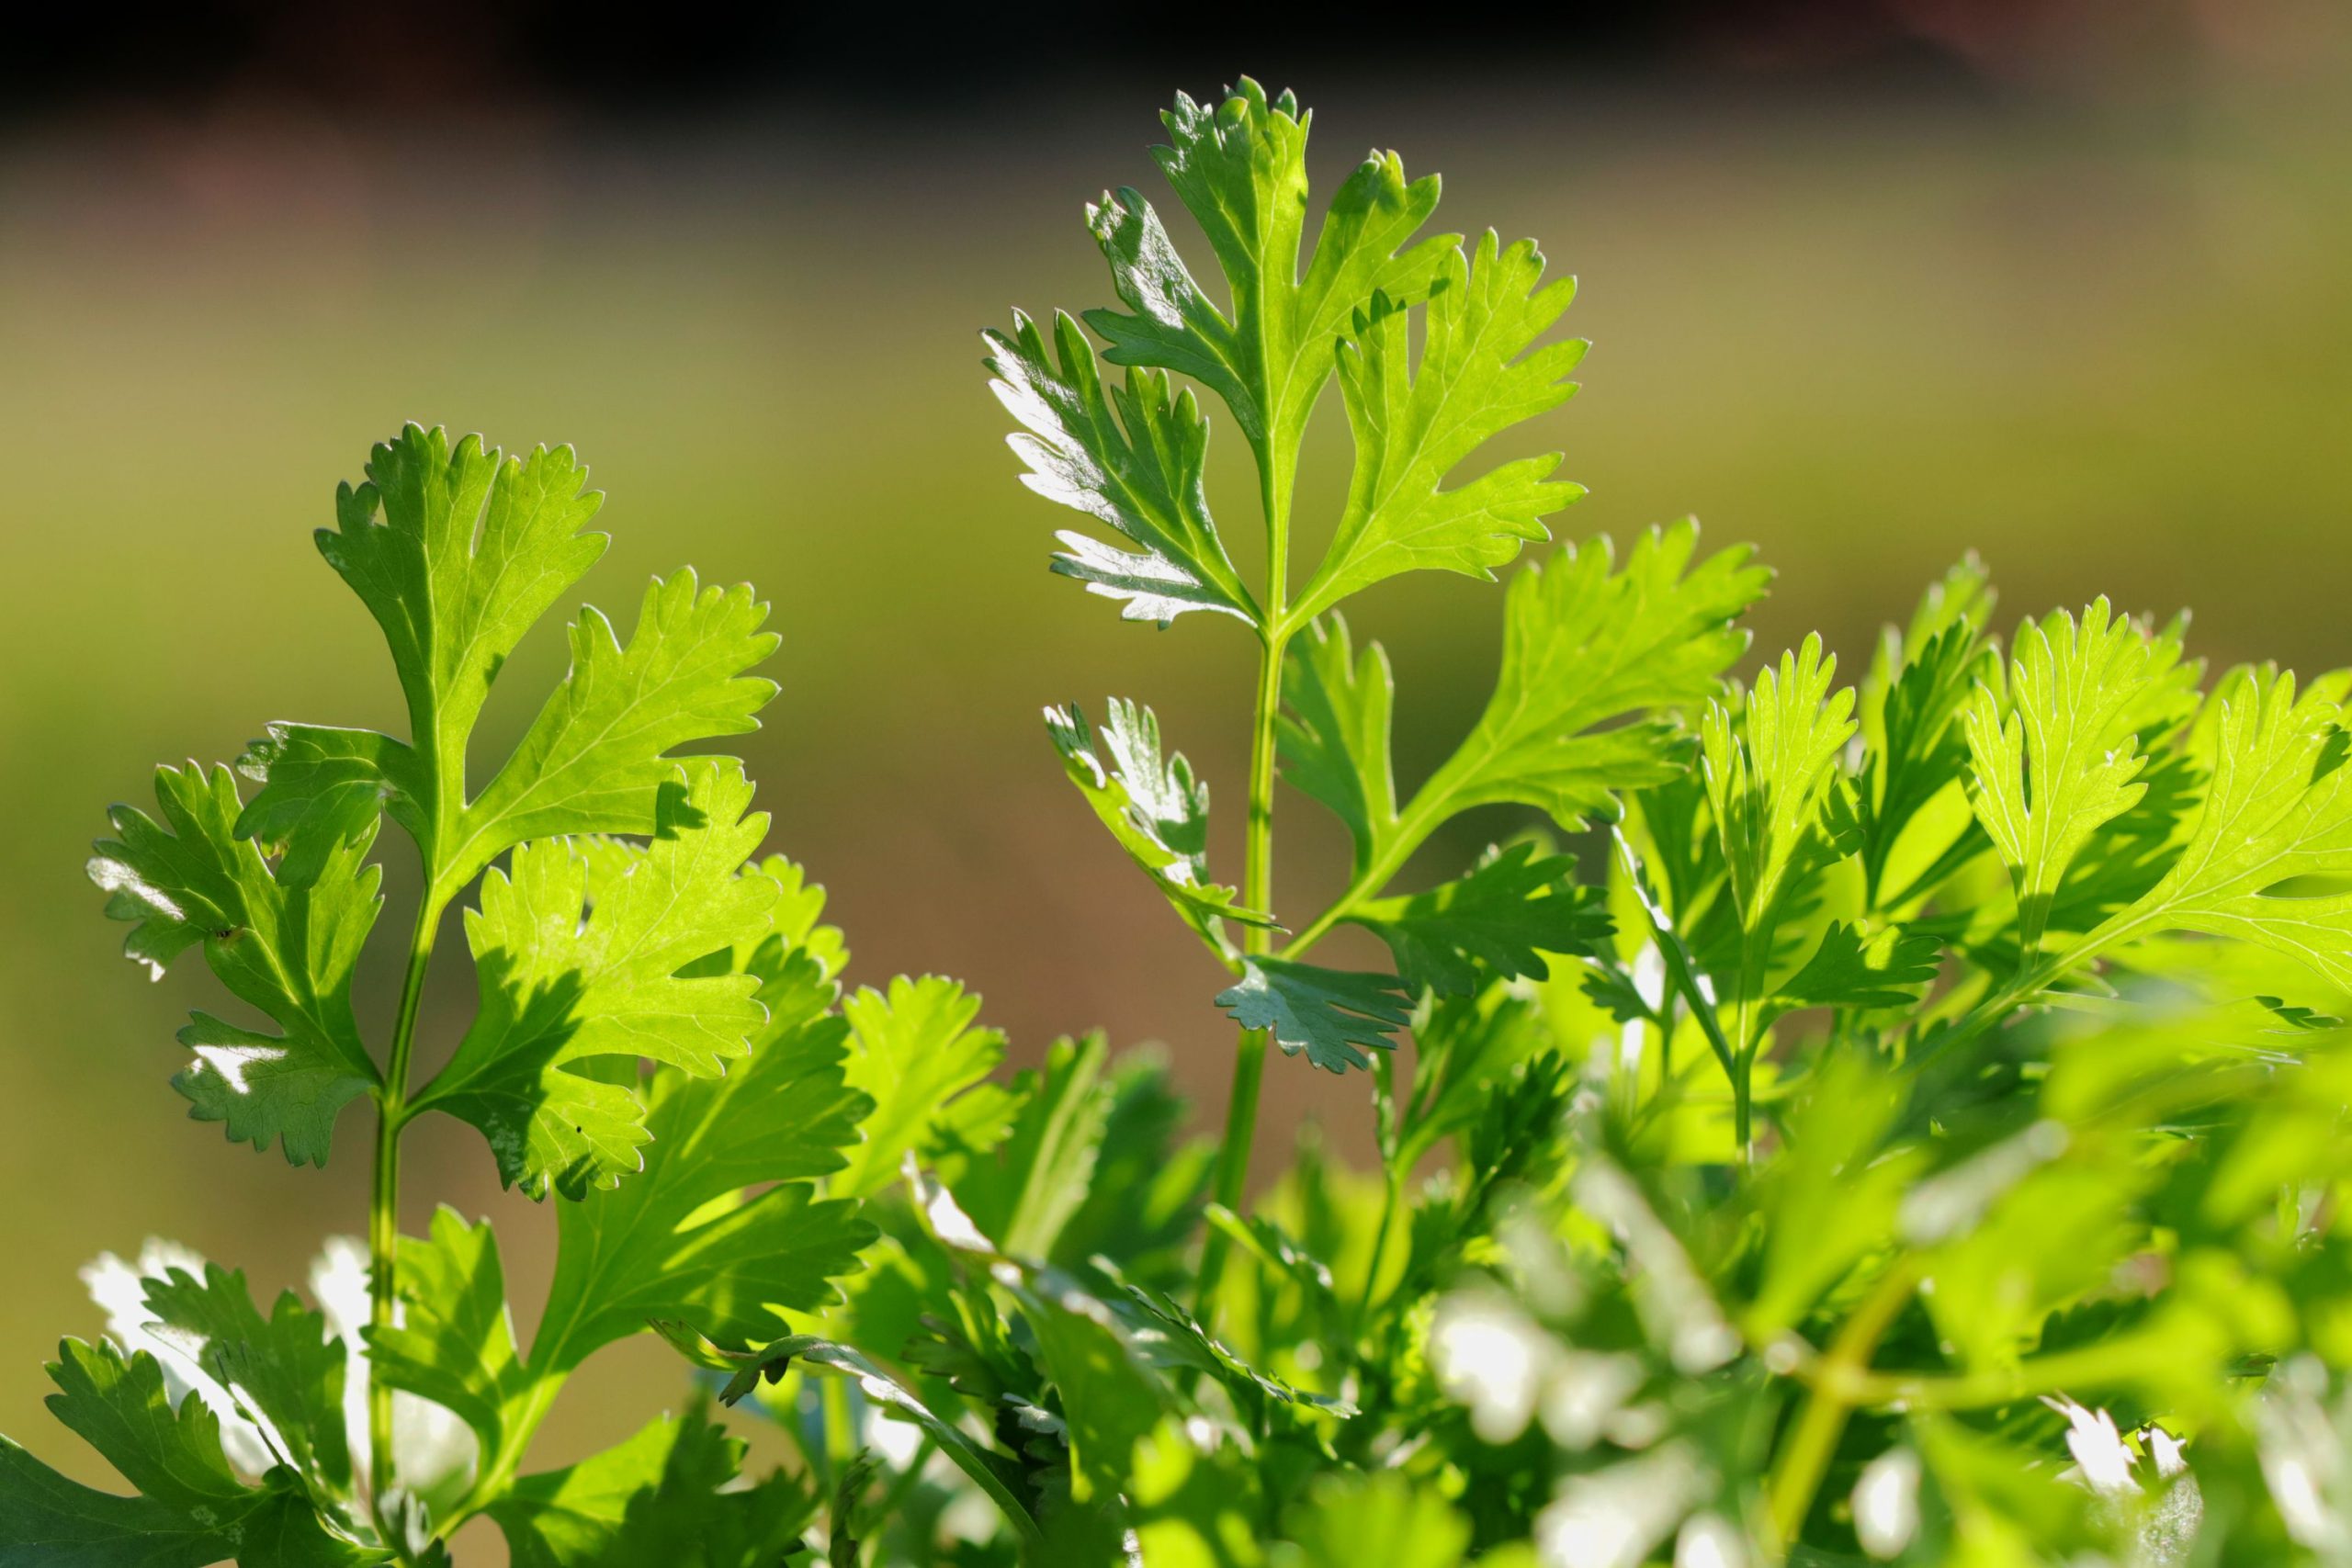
{"points": [[2068, 290]]}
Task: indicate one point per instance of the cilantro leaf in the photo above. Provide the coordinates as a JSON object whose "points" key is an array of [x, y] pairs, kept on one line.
{"points": [[1478, 373], [288, 949], [1916, 748], [2058, 759], [1335, 1016], [578, 949], [1850, 970], [2272, 837], [722, 1228], [1585, 647], [672, 1494], [1026, 1191], [1240, 170], [598, 754], [1158, 810], [455, 1343], [771, 1362], [456, 554], [285, 1372], [915, 1055], [191, 1509], [1140, 473], [1497, 922], [1769, 770], [1334, 731], [1383, 1517]]}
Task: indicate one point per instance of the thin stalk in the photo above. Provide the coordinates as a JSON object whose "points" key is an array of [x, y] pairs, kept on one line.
{"points": [[384, 1200], [1257, 862], [1836, 1392], [1249, 1054], [1391, 1193]]}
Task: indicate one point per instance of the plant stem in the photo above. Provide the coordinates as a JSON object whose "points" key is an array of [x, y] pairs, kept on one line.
{"points": [[1257, 892], [384, 1200], [1274, 477], [1836, 1391]]}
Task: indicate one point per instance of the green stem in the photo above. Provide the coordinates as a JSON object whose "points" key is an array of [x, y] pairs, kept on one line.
{"points": [[1813, 1441], [1258, 860], [384, 1200], [1257, 892]]}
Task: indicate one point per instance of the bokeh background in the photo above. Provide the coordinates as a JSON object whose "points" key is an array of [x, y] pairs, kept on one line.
{"points": [[1870, 284]]}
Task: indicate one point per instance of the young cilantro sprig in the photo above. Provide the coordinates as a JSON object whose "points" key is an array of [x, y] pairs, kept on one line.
{"points": [[1436, 349], [655, 1040]]}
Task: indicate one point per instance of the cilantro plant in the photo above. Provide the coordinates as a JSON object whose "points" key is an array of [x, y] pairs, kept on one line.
{"points": [[1900, 1119]]}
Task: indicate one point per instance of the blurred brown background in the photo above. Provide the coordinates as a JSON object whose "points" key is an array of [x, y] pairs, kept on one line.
{"points": [[1868, 285]]}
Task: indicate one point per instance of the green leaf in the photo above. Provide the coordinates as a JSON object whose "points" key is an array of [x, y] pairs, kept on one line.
{"points": [[1334, 731], [286, 1371], [2271, 845], [1595, 663], [1168, 1337], [1497, 922], [1335, 1016], [191, 1509], [1195, 1507], [287, 949], [1158, 811], [1478, 373], [1026, 1191], [771, 1362], [455, 1343], [1885, 969], [598, 755], [1385, 1517], [456, 554], [1240, 170], [1139, 472], [1109, 1395], [671, 1495], [1916, 748], [914, 1053], [1769, 770], [722, 1229], [2058, 759], [578, 949], [1143, 1205]]}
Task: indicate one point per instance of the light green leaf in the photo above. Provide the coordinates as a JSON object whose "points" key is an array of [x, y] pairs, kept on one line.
{"points": [[598, 754], [1910, 720], [2058, 758], [1334, 731], [1497, 922], [1349, 1518], [2267, 860], [456, 554], [1336, 1017], [1478, 373], [455, 1343], [914, 1053], [669, 1495], [1140, 473], [283, 947], [1595, 664], [1026, 1191], [722, 1229], [1769, 769], [1158, 811], [578, 949], [1240, 169], [1195, 1507], [191, 1510]]}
